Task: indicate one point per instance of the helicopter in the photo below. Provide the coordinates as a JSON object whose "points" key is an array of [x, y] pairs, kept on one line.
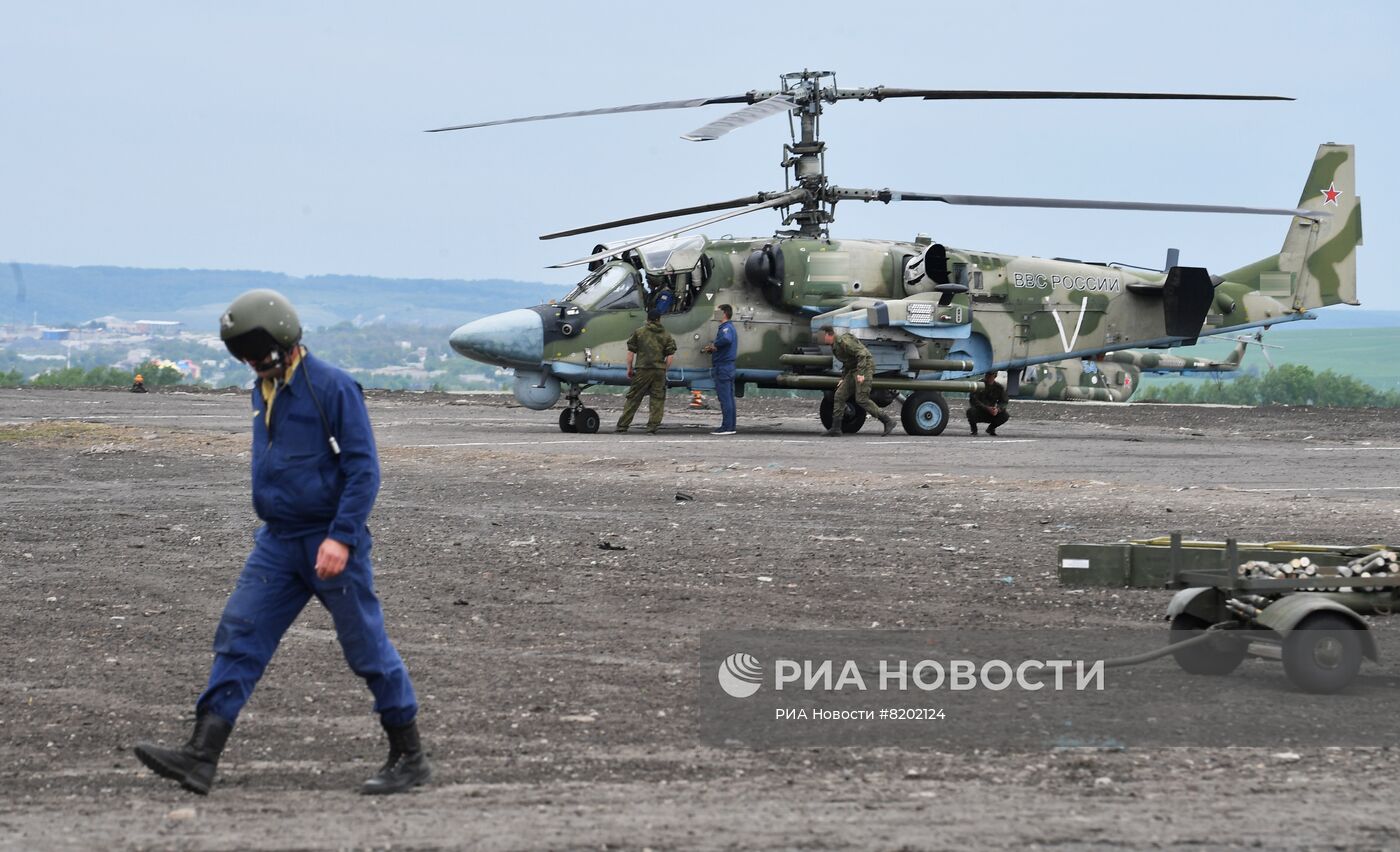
{"points": [[1116, 376], [932, 316]]}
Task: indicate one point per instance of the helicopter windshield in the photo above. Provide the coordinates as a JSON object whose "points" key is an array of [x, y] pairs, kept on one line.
{"points": [[680, 254], [612, 287]]}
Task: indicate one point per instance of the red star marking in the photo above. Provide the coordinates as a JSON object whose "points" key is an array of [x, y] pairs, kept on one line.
{"points": [[1331, 194]]}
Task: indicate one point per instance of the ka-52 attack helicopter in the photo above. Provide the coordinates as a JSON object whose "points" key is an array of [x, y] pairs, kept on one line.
{"points": [[1115, 376], [932, 316]]}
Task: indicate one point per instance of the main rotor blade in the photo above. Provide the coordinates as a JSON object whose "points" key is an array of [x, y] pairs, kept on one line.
{"points": [[735, 120], [879, 93], [637, 220], [888, 195], [781, 200], [686, 104]]}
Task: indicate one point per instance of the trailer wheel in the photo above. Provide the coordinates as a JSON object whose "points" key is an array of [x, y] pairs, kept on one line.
{"points": [[1323, 653], [1216, 657]]}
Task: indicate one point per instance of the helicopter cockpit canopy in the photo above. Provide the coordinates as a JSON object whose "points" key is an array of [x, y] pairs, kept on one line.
{"points": [[678, 267], [618, 284], [679, 254], [613, 286]]}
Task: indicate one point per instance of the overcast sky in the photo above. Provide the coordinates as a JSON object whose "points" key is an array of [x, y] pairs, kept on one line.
{"points": [[288, 136]]}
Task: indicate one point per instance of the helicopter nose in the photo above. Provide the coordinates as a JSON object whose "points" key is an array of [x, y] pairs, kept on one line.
{"points": [[511, 339]]}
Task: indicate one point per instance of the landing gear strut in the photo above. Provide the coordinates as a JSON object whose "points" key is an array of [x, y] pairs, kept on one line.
{"points": [[575, 417]]}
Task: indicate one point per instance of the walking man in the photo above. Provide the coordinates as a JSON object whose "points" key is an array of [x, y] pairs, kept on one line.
{"points": [[650, 351], [726, 351], [315, 477], [857, 373]]}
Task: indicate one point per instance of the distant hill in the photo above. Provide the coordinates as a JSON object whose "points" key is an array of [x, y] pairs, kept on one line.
{"points": [[67, 295], [63, 295]]}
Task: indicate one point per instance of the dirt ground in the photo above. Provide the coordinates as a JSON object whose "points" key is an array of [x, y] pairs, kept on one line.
{"points": [[558, 679]]}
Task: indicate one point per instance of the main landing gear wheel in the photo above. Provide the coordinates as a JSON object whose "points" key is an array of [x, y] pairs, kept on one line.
{"points": [[924, 413], [1217, 656], [586, 421], [851, 423], [566, 421], [1323, 653]]}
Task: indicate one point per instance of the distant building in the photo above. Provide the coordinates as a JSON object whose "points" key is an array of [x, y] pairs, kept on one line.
{"points": [[163, 328], [113, 324]]}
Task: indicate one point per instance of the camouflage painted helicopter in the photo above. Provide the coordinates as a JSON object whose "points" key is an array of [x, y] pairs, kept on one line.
{"points": [[931, 315], [1115, 376]]}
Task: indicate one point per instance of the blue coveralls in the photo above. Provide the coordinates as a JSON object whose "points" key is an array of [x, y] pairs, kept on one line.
{"points": [[304, 494], [726, 351]]}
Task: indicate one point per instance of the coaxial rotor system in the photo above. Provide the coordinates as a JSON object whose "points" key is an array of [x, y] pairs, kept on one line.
{"points": [[808, 200]]}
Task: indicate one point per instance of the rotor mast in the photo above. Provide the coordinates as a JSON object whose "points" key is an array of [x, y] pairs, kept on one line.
{"points": [[805, 156]]}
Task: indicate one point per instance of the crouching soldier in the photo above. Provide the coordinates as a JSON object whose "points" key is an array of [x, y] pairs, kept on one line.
{"points": [[987, 405], [315, 477]]}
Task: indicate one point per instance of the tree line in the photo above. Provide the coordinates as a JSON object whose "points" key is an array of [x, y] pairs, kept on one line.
{"points": [[95, 377], [1289, 384]]}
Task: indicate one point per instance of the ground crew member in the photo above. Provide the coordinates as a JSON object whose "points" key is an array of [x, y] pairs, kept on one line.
{"points": [[726, 350], [987, 405], [857, 373], [139, 385], [650, 351], [315, 477]]}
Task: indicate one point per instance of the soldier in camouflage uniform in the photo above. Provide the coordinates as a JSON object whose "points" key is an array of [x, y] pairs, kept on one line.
{"points": [[649, 353], [987, 405], [857, 373]]}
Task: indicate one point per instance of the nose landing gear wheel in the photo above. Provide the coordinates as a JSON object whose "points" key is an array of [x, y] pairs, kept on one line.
{"points": [[566, 421], [586, 421]]}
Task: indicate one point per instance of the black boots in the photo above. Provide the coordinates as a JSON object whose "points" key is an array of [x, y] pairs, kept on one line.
{"points": [[407, 766], [192, 764], [889, 425]]}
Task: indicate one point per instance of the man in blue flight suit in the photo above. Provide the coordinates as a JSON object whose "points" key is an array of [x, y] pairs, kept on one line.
{"points": [[726, 350], [315, 477]]}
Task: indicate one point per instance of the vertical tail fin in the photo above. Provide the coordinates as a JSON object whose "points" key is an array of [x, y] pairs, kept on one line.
{"points": [[1317, 265], [1321, 256], [1232, 362]]}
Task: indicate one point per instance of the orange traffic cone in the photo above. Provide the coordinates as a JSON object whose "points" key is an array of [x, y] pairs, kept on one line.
{"points": [[697, 399]]}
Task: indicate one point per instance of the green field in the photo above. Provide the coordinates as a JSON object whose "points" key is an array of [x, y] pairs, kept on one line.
{"points": [[1368, 354]]}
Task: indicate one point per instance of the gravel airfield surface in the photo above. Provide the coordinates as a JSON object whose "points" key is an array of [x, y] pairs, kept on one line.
{"points": [[548, 592]]}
